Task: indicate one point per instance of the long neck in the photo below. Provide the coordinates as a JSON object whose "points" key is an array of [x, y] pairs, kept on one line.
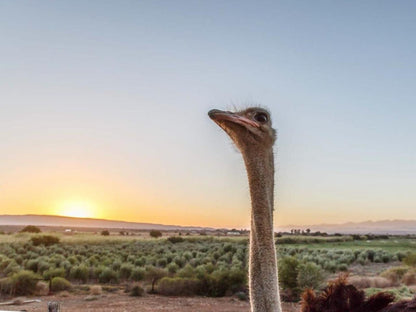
{"points": [[263, 281]]}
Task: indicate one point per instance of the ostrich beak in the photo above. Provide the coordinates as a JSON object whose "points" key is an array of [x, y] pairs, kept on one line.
{"points": [[218, 115]]}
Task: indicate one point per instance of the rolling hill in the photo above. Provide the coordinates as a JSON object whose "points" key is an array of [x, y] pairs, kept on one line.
{"points": [[70, 222]]}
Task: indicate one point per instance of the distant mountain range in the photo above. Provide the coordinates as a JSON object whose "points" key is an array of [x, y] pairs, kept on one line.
{"points": [[395, 227], [398, 227], [70, 222]]}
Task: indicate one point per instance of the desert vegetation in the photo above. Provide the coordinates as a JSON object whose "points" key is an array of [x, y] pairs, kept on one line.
{"points": [[198, 265]]}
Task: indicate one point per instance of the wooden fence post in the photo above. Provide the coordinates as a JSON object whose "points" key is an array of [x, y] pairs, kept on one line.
{"points": [[54, 306]]}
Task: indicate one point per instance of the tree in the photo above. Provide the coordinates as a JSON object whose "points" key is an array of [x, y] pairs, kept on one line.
{"points": [[30, 229], [175, 239], [155, 233], [105, 233], [46, 240], [154, 274]]}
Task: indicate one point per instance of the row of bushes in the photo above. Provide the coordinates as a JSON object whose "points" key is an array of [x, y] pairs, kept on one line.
{"points": [[311, 239], [26, 283], [215, 264], [216, 284], [339, 259], [208, 262], [296, 275]]}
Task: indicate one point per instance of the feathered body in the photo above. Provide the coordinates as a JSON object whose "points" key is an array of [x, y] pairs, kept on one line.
{"points": [[339, 296]]}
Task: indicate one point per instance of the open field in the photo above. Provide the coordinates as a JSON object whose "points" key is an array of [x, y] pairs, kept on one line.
{"points": [[393, 244], [149, 303], [189, 273]]}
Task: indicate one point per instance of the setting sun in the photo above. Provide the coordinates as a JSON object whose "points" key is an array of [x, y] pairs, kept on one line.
{"points": [[77, 209]]}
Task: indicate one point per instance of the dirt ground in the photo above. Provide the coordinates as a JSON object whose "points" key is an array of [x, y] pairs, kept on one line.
{"points": [[154, 303]]}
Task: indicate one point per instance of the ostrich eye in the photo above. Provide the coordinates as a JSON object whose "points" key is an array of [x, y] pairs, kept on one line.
{"points": [[261, 117]]}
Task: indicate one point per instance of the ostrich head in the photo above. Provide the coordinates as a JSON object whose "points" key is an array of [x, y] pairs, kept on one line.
{"points": [[249, 129]]}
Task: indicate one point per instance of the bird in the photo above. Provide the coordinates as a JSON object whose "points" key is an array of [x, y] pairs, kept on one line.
{"points": [[252, 133]]}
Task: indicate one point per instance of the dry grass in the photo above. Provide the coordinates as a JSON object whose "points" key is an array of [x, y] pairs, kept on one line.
{"points": [[370, 282], [42, 288], [409, 278], [96, 290], [395, 274]]}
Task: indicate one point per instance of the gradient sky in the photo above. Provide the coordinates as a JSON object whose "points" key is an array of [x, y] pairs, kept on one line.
{"points": [[103, 108]]}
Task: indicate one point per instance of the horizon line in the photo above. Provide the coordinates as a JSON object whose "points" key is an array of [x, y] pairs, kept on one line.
{"points": [[214, 227]]}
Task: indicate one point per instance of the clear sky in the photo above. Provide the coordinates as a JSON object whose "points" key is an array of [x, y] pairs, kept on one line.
{"points": [[103, 108]]}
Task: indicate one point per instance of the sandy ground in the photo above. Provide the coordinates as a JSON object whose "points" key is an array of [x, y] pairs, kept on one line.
{"points": [[154, 303]]}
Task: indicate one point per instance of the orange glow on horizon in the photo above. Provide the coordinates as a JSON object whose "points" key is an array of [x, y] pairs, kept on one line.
{"points": [[76, 209]]}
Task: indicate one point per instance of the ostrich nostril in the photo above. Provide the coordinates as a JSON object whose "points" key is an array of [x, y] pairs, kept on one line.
{"points": [[213, 113]]}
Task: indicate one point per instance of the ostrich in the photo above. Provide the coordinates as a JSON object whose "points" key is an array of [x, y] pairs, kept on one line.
{"points": [[251, 131]]}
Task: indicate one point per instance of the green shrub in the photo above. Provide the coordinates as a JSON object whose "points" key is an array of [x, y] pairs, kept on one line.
{"points": [[43, 266], [140, 262], [4, 263], [362, 259], [399, 293], [136, 291], [30, 229], [80, 272], [24, 282], [154, 274], [175, 239], [155, 233], [54, 272], [59, 284], [137, 274], [343, 267], [126, 270], [32, 265], [370, 255], [187, 271], [330, 266], [410, 259], [162, 262], [228, 248], [105, 233], [386, 258], [6, 286], [172, 268], [11, 268], [242, 295], [178, 286], [219, 282], [310, 275], [108, 276], [116, 265], [46, 240], [288, 272], [180, 262], [400, 255], [73, 260]]}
